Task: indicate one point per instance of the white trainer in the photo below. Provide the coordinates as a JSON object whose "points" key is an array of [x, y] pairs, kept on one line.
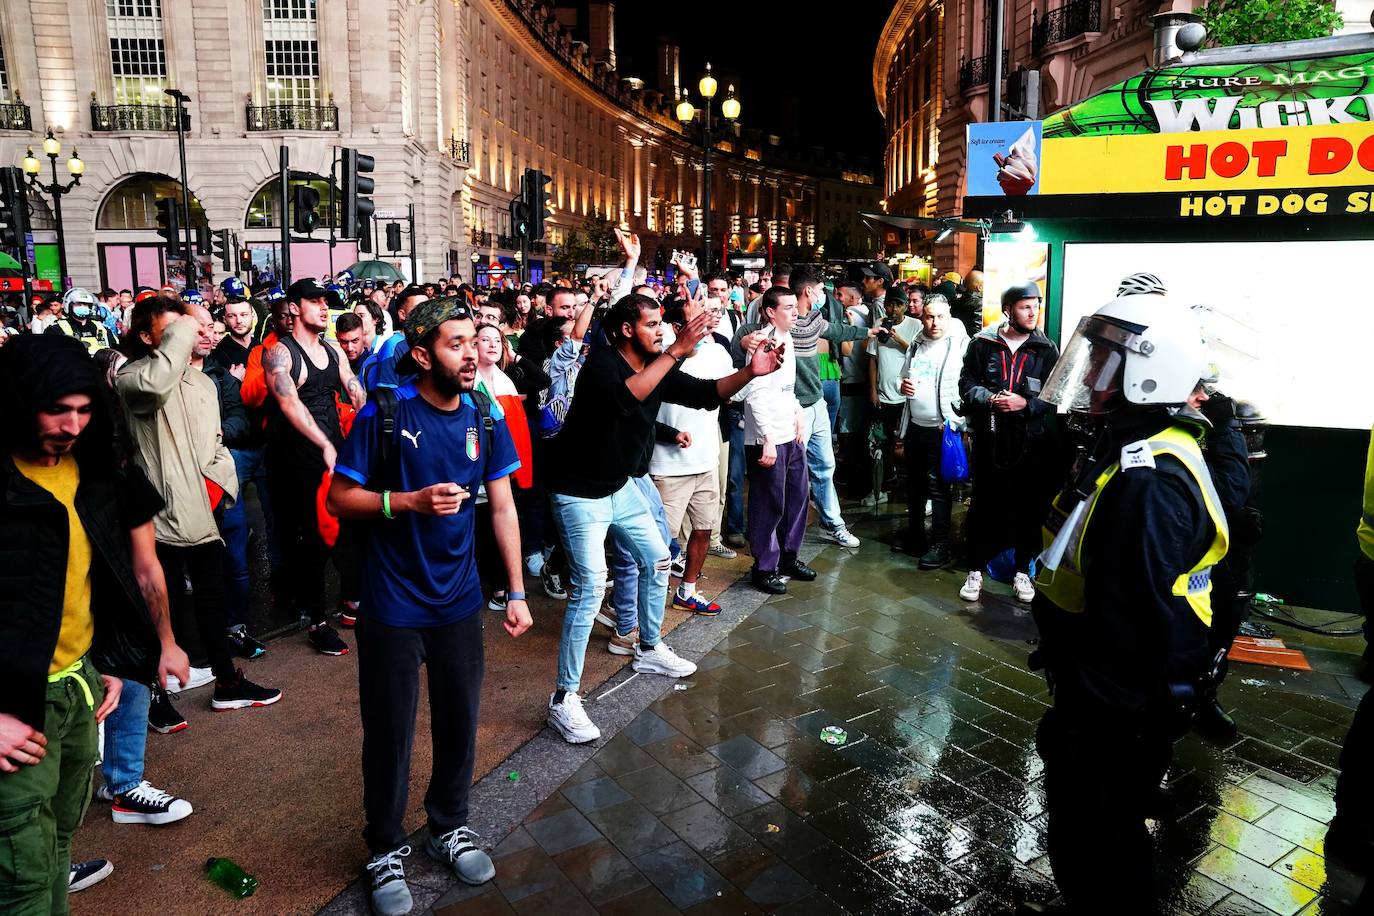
{"points": [[199, 678], [1025, 591], [570, 720], [662, 660], [535, 563], [840, 536], [606, 620], [973, 586]]}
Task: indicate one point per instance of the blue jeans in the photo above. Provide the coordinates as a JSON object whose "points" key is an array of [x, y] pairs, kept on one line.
{"points": [[126, 738], [734, 483], [830, 392], [624, 568], [584, 524], [820, 465], [234, 527]]}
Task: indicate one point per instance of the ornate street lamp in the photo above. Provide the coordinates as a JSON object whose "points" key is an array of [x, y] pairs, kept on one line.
{"points": [[476, 259], [52, 148], [686, 112]]}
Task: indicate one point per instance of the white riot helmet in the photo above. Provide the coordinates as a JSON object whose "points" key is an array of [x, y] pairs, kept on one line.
{"points": [[77, 295], [1146, 349]]}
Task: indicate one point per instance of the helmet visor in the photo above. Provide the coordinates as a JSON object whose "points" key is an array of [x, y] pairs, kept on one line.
{"points": [[1088, 375]]}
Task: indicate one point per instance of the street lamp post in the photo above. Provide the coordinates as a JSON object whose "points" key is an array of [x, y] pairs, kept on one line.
{"points": [[520, 266], [192, 280], [475, 258], [729, 109], [52, 148]]}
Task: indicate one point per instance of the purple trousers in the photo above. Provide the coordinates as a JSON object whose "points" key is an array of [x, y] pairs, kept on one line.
{"points": [[777, 504]]}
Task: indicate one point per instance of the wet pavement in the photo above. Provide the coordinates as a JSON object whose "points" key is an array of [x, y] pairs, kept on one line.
{"points": [[722, 797]]}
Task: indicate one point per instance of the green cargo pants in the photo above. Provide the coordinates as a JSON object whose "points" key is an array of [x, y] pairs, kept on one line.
{"points": [[42, 805]]}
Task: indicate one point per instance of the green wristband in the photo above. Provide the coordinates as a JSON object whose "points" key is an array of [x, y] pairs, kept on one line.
{"points": [[386, 504]]}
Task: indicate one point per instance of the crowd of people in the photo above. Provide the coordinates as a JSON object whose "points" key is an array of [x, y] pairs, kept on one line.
{"points": [[440, 443]]}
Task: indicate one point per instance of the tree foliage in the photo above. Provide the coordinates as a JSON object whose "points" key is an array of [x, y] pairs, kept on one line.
{"points": [[591, 243], [1243, 22]]}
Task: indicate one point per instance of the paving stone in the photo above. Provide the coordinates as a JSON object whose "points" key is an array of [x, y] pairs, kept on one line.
{"points": [[683, 876], [658, 790], [1255, 882]]}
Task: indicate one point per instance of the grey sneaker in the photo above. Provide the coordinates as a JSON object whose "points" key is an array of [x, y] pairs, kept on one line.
{"points": [[720, 550], [457, 849], [390, 894]]}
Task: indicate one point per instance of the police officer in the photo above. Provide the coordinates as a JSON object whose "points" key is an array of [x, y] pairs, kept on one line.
{"points": [[1124, 594], [79, 320]]}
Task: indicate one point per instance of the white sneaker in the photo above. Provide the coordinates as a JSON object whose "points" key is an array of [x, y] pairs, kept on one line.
{"points": [[679, 567], [662, 660], [199, 678], [147, 804], [606, 620], [535, 563], [973, 586], [929, 510], [868, 502], [570, 720], [882, 498], [840, 536], [1025, 592]]}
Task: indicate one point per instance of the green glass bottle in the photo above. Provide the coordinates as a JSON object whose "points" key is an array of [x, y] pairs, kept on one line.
{"points": [[230, 877]]}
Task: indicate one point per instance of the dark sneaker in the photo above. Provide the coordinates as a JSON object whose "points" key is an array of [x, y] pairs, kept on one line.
{"points": [[245, 646], [769, 581], [163, 717], [348, 614], [390, 894], [147, 804], [936, 557], [326, 641], [242, 693], [498, 601], [737, 541], [553, 584], [84, 874], [457, 850], [797, 570]]}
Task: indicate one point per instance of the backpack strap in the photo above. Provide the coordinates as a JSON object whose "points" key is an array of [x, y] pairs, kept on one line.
{"points": [[482, 402], [384, 400]]}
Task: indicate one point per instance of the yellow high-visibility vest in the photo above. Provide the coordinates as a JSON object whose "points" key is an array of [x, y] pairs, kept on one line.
{"points": [[96, 341], [1064, 585], [1365, 531]]}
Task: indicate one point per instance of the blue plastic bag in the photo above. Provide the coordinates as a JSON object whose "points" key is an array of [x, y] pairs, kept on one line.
{"points": [[953, 457]]}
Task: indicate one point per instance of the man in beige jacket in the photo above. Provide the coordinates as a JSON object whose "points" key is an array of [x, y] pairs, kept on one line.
{"points": [[172, 410]]}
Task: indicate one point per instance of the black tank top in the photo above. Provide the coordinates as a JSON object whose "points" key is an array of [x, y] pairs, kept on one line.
{"points": [[319, 393]]}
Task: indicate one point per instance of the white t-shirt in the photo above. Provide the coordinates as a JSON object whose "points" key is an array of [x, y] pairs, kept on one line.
{"points": [[890, 356], [771, 405], [926, 362], [711, 361]]}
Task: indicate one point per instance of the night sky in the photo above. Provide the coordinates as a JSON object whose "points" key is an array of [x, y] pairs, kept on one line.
{"points": [[784, 59]]}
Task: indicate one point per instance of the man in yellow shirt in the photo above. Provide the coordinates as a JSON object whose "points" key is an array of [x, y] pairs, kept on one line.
{"points": [[78, 576]]}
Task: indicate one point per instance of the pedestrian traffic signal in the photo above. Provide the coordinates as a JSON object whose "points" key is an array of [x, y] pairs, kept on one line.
{"points": [[304, 200], [537, 200], [224, 249], [169, 226], [357, 205], [520, 218], [203, 241], [393, 237], [14, 210]]}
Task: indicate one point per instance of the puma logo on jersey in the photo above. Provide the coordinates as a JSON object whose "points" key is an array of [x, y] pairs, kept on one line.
{"points": [[413, 437]]}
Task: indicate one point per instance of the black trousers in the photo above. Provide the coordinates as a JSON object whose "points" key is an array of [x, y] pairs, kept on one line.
{"points": [[295, 492], [1364, 588], [1010, 504], [890, 416], [389, 660], [922, 451], [1100, 770], [1355, 785], [204, 566]]}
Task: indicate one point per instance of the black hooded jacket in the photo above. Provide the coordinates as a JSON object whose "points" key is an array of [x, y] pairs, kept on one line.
{"points": [[36, 370]]}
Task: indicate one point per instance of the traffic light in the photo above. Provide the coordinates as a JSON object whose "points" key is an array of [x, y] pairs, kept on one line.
{"points": [[537, 198], [203, 241], [393, 237], [169, 226], [357, 205], [245, 260], [223, 249], [14, 210], [304, 200], [520, 218]]}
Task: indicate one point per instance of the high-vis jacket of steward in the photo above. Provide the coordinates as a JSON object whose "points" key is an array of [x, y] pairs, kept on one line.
{"points": [[1062, 573]]}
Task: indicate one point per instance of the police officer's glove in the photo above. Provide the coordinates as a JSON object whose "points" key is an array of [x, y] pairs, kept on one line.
{"points": [[1219, 410]]}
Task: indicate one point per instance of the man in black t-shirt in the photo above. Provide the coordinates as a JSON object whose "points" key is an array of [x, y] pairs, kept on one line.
{"points": [[608, 438]]}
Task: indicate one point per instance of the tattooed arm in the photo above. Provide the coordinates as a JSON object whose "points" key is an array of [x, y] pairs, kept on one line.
{"points": [[356, 392], [153, 584], [276, 364]]}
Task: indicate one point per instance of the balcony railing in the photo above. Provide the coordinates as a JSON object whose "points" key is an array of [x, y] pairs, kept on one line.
{"points": [[976, 72], [460, 150], [293, 117], [15, 116], [481, 237], [133, 117], [507, 241], [1069, 21]]}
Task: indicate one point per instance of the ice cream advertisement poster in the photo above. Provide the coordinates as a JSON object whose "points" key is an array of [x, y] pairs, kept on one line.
{"points": [[1004, 159]]}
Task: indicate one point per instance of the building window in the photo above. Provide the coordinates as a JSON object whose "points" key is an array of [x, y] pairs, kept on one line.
{"points": [[5, 94], [291, 42], [132, 204], [138, 60]]}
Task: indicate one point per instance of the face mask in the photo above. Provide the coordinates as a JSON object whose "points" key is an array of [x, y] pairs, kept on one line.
{"points": [[81, 312]]}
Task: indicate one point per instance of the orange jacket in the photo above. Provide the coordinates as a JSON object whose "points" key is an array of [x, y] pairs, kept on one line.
{"points": [[253, 388]]}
